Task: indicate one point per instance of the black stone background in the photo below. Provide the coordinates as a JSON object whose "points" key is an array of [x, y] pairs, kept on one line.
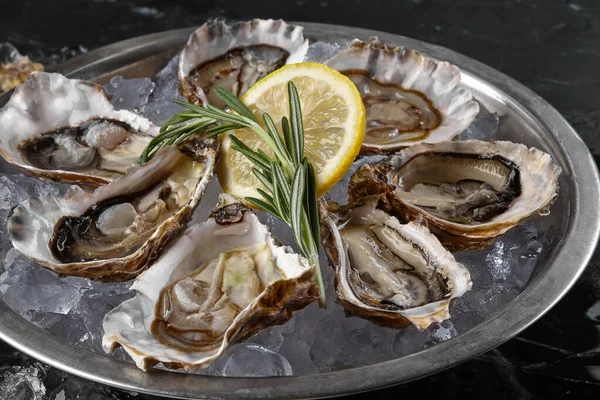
{"points": [[551, 46]]}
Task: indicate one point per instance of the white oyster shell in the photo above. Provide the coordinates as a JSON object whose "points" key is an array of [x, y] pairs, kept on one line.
{"points": [[47, 102], [215, 39], [439, 82], [114, 232], [533, 173], [132, 324], [434, 264]]}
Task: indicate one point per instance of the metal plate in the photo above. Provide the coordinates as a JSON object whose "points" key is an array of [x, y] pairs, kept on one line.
{"points": [[531, 120]]}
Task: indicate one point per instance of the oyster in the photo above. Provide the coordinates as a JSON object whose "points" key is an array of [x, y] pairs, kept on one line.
{"points": [[467, 192], [218, 283], [66, 129], [236, 56], [115, 231], [386, 272], [409, 98]]}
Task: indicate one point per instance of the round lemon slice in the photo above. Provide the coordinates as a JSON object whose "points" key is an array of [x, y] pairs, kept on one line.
{"points": [[334, 125]]}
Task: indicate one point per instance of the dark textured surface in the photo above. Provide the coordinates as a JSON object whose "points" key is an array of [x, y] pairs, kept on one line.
{"points": [[551, 46]]}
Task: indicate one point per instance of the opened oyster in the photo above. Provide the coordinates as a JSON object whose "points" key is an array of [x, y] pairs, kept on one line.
{"points": [[409, 98], [467, 192], [67, 130], [218, 283], [389, 273], [115, 231], [236, 56]]}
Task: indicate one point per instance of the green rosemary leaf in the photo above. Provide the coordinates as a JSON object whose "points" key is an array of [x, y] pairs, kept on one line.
{"points": [[234, 103], [216, 112], [217, 130], [187, 105], [296, 205], [311, 201], [263, 154], [268, 198], [272, 130], [296, 122], [276, 192], [264, 205], [287, 136], [259, 159], [263, 178], [283, 184]]}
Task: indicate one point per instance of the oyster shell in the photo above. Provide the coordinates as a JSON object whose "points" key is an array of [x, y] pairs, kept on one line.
{"points": [[115, 231], [67, 130], [389, 273], [409, 98], [236, 56], [218, 283], [467, 193]]}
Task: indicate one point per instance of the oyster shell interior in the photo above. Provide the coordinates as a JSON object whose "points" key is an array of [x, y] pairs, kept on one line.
{"points": [[220, 281], [408, 97], [394, 114], [236, 56], [67, 130], [112, 232], [237, 70], [463, 188], [388, 272], [466, 192]]}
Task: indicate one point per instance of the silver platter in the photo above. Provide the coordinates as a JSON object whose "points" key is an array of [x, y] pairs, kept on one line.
{"points": [[528, 119]]}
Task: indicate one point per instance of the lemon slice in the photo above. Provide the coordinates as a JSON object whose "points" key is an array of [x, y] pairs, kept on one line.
{"points": [[334, 125]]}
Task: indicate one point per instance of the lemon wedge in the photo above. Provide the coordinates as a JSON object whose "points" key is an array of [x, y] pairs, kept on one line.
{"points": [[334, 125]]}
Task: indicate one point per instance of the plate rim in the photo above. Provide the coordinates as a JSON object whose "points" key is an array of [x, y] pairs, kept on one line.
{"points": [[536, 299]]}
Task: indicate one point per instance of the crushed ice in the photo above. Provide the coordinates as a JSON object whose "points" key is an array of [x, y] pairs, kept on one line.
{"points": [[314, 340]]}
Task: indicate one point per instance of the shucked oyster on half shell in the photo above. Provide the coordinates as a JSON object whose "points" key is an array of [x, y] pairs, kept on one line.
{"points": [[236, 56], [389, 273], [409, 98], [467, 193], [67, 130], [114, 232], [218, 283]]}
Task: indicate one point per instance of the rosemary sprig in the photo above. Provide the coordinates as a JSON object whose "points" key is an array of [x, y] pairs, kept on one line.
{"points": [[289, 180]]}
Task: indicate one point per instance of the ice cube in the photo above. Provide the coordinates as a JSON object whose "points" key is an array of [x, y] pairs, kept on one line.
{"points": [[483, 128], [129, 94], [160, 106], [9, 53], [27, 287], [440, 332], [75, 388], [321, 51], [22, 383], [407, 341], [251, 360]]}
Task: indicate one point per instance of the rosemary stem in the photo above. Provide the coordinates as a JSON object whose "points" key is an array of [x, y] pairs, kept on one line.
{"points": [[313, 257]]}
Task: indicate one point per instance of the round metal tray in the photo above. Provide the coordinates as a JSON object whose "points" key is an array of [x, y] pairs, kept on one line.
{"points": [[533, 122]]}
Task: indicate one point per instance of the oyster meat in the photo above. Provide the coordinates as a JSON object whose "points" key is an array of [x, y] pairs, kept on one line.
{"points": [[236, 56], [115, 231], [67, 130], [389, 273], [409, 98], [467, 192], [218, 283]]}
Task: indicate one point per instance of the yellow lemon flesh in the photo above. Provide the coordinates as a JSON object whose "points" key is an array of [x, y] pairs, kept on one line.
{"points": [[334, 125]]}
